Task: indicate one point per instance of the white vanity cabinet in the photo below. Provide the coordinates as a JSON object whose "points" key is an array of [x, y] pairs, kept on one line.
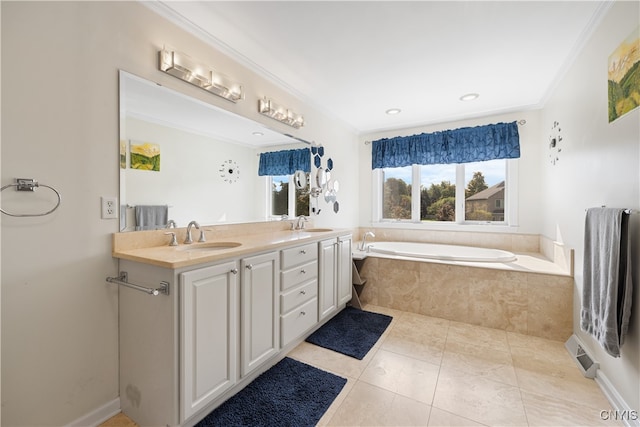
{"points": [[345, 260], [223, 322], [259, 309], [211, 303], [334, 277], [299, 291], [327, 278], [208, 335]]}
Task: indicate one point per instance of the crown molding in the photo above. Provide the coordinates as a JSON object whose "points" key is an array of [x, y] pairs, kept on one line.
{"points": [[584, 37]]}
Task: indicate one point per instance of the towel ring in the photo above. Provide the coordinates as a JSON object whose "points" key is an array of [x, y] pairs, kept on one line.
{"points": [[30, 185]]}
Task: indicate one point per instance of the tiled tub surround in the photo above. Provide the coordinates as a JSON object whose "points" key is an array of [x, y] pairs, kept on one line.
{"points": [[532, 296], [513, 242]]}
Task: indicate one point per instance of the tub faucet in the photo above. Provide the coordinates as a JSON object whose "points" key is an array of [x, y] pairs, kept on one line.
{"points": [[171, 224], [363, 244], [188, 239]]}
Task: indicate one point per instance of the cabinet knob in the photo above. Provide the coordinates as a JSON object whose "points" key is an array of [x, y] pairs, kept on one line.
{"points": [[303, 292], [302, 313], [303, 271], [303, 252], [234, 270], [248, 266]]}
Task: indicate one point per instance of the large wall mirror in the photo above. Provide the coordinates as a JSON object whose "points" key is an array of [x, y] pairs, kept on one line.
{"points": [[199, 160]]}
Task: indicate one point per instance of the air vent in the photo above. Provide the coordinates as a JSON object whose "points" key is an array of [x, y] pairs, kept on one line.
{"points": [[585, 362]]}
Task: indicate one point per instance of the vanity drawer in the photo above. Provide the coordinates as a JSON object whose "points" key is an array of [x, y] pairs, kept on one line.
{"points": [[298, 321], [298, 255], [297, 296], [299, 274]]}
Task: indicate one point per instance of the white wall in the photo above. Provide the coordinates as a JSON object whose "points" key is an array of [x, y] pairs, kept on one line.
{"points": [[60, 63], [528, 169], [598, 166]]}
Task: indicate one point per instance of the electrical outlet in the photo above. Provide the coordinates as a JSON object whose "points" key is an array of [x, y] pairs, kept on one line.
{"points": [[109, 207]]}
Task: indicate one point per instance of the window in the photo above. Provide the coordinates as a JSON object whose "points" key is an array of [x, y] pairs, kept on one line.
{"points": [[286, 199], [396, 196], [279, 195], [452, 193], [485, 191], [438, 193]]}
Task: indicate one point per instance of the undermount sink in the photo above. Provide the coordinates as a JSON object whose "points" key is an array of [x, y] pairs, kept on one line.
{"points": [[317, 230], [211, 246]]}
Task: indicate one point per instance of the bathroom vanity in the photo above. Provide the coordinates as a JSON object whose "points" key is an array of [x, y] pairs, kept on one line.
{"points": [[233, 310]]}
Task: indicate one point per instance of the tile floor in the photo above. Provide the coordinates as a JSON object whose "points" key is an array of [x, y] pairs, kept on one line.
{"points": [[426, 371]]}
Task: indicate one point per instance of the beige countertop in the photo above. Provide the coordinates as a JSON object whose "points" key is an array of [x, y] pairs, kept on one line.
{"points": [[196, 253]]}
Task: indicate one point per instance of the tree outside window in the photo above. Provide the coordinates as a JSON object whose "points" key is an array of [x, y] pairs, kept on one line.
{"points": [[281, 197], [483, 192]]}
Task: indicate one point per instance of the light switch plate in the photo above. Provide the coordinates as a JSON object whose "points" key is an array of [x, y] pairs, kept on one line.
{"points": [[109, 207]]}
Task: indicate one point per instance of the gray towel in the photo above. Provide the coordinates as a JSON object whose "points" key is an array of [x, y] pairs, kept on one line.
{"points": [[607, 287], [151, 217]]}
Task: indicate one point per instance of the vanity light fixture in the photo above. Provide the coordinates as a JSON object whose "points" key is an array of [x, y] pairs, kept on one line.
{"points": [[185, 68], [469, 97], [277, 112]]}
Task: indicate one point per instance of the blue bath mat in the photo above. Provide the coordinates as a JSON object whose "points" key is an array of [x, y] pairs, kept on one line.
{"points": [[291, 393], [352, 332]]}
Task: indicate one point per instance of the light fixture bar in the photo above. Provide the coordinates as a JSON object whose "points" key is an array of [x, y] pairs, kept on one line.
{"points": [[277, 112], [185, 68]]}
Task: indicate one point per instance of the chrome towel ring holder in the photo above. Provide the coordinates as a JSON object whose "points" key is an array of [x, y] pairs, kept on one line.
{"points": [[28, 184]]}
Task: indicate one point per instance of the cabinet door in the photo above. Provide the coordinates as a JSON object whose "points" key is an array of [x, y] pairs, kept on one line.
{"points": [[260, 310], [208, 326], [344, 269], [327, 292]]}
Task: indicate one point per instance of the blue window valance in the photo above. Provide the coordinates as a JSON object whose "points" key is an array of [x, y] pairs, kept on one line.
{"points": [[464, 145], [284, 162]]}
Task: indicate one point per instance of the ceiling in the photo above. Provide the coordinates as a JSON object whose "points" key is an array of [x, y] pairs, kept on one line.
{"points": [[355, 60]]}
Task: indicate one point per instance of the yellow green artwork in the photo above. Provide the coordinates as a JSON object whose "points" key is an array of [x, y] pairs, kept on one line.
{"points": [[624, 77], [145, 156], [123, 154]]}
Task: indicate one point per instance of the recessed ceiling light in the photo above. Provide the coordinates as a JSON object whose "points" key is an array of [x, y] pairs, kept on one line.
{"points": [[393, 111], [256, 133], [469, 97]]}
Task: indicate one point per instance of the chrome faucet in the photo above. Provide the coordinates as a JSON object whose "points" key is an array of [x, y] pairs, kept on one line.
{"points": [[173, 241], [188, 239], [363, 244], [171, 224], [300, 222]]}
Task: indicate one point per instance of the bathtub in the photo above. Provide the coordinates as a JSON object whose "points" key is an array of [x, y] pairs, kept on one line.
{"points": [[441, 252]]}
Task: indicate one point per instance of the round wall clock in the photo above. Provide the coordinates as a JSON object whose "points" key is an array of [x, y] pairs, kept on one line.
{"points": [[555, 137], [230, 171]]}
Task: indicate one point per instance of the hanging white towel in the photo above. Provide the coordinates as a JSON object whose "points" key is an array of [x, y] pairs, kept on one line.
{"points": [[607, 287]]}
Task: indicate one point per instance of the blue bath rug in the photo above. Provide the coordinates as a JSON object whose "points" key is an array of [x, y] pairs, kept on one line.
{"points": [[291, 393], [352, 332]]}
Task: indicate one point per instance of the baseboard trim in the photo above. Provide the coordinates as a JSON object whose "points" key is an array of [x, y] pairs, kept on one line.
{"points": [[629, 416], [99, 415]]}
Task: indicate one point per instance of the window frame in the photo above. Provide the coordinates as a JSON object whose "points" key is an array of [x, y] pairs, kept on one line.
{"points": [[291, 198], [510, 202], [291, 205]]}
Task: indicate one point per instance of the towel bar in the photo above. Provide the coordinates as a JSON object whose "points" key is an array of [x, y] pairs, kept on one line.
{"points": [[122, 280], [627, 211]]}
